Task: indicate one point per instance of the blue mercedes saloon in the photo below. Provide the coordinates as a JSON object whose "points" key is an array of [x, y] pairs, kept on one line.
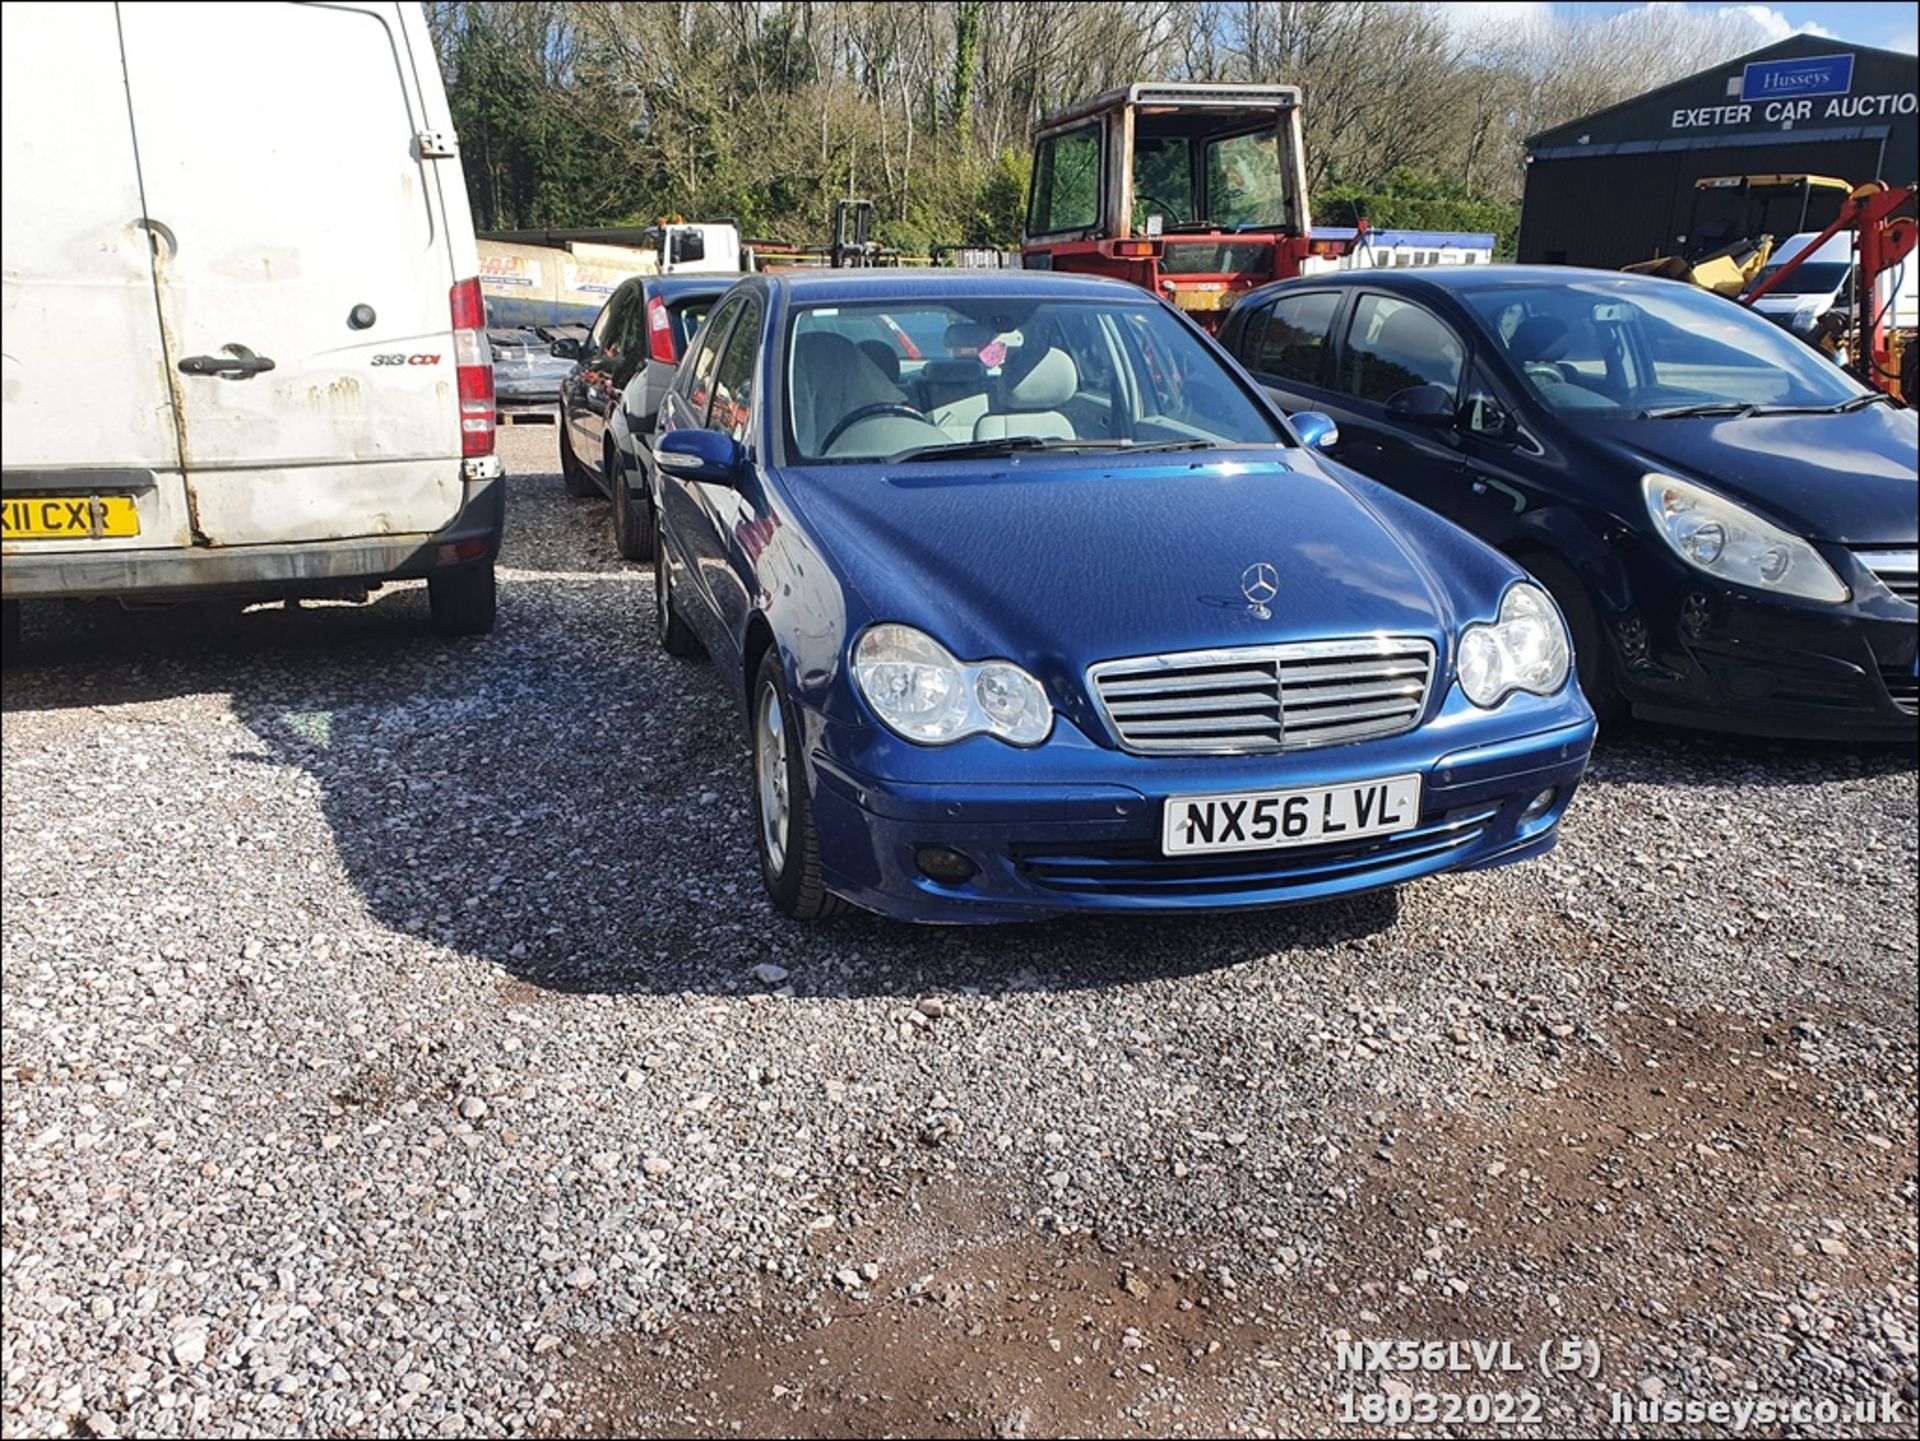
{"points": [[1035, 603]]}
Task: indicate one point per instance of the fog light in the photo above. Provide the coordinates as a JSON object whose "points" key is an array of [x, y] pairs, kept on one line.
{"points": [[1540, 804], [949, 868]]}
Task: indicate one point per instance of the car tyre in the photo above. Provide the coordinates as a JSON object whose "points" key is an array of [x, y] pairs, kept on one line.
{"points": [[1593, 662], [675, 635], [784, 832], [632, 525], [463, 601], [574, 475]]}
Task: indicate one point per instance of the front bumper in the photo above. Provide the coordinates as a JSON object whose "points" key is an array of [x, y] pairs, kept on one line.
{"points": [[1072, 826], [304, 568], [1698, 653]]}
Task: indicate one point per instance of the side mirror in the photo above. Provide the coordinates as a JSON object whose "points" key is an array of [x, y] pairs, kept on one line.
{"points": [[1316, 429], [1421, 405], [702, 455], [565, 348]]}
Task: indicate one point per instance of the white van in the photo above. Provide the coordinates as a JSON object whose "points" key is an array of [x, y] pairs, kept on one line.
{"points": [[245, 349], [1824, 282]]}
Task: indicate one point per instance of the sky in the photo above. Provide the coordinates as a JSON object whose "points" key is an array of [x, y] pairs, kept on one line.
{"points": [[1889, 26]]}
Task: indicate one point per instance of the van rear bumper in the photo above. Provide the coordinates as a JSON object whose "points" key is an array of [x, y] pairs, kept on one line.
{"points": [[303, 568]]}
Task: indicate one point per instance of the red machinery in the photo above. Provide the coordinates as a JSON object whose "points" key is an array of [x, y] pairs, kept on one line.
{"points": [[1197, 192], [1882, 239]]}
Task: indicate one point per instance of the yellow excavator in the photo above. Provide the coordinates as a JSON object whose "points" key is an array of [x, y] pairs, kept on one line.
{"points": [[1731, 230]]}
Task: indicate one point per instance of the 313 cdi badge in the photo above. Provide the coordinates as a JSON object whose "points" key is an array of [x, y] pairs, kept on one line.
{"points": [[1036, 604]]}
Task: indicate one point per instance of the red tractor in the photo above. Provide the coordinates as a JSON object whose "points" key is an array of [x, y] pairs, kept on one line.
{"points": [[1198, 192]]}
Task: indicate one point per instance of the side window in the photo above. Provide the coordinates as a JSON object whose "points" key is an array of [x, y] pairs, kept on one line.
{"points": [[1252, 327], [1294, 346], [619, 318], [696, 371], [688, 246], [733, 379], [602, 328], [1066, 183], [1393, 344]]}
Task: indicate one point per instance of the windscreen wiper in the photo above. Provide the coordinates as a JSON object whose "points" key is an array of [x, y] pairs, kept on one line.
{"points": [[1688, 412], [1845, 407], [1026, 444]]}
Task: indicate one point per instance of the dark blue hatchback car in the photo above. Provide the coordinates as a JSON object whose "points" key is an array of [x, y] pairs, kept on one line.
{"points": [[1727, 520], [1035, 604]]}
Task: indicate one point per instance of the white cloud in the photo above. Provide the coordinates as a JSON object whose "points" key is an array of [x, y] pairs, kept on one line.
{"points": [[1772, 24], [1483, 21]]}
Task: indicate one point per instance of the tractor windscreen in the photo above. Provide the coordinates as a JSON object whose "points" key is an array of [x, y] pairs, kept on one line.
{"points": [[1209, 171]]}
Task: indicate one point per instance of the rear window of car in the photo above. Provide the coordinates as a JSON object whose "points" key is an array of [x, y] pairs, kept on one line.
{"points": [[688, 316]]}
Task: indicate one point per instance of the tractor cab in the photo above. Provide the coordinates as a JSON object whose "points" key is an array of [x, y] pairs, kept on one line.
{"points": [[1197, 192]]}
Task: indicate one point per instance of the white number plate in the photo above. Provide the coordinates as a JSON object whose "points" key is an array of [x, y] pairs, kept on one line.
{"points": [[1269, 820]]}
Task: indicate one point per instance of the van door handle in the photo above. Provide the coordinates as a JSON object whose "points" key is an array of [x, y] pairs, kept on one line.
{"points": [[239, 363]]}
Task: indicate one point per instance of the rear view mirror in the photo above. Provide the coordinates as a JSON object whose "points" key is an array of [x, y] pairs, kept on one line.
{"points": [[1421, 405], [566, 348], [1316, 429]]}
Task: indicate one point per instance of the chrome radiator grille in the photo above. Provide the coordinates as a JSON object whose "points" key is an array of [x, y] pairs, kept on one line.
{"points": [[1899, 571], [1265, 698]]}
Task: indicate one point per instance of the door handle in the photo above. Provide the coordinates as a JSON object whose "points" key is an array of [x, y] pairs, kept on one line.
{"points": [[239, 363]]}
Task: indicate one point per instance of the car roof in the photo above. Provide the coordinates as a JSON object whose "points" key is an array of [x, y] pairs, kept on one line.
{"points": [[1432, 279], [933, 283], [712, 282]]}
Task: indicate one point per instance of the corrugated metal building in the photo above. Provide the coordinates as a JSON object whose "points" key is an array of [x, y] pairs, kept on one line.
{"points": [[1618, 186]]}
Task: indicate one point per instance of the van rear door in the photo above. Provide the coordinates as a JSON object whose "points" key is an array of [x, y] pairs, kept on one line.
{"points": [[87, 408], [280, 149]]}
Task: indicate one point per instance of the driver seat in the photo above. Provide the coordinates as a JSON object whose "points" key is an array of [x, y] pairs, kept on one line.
{"points": [[833, 377]]}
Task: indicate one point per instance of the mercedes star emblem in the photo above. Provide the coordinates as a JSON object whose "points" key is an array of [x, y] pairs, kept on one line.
{"points": [[1260, 583]]}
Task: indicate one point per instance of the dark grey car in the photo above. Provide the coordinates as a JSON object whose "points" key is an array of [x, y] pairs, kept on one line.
{"points": [[526, 372]]}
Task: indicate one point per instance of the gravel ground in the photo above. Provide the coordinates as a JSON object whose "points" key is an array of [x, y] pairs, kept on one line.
{"points": [[396, 1039]]}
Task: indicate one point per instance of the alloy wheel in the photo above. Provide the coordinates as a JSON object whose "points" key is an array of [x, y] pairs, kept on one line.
{"points": [[770, 773]]}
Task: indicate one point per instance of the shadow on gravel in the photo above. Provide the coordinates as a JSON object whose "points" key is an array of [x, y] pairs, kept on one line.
{"points": [[565, 803], [1636, 751]]}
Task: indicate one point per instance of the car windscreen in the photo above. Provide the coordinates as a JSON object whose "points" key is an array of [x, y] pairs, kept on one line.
{"points": [[868, 381], [1611, 349], [1816, 277]]}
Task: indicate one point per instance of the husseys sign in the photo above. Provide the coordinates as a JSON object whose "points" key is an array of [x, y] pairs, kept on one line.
{"points": [[1790, 92]]}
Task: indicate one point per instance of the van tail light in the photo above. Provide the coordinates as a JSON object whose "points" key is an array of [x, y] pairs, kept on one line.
{"points": [[659, 332], [473, 368]]}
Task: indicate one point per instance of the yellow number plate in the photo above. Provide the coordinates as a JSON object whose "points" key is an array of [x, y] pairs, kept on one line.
{"points": [[68, 517], [1212, 298]]}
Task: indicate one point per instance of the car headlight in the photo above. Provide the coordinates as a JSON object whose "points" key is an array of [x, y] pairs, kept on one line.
{"points": [[923, 694], [1711, 533], [1525, 649]]}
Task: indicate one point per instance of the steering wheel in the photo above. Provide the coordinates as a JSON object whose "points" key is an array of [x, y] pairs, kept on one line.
{"points": [[867, 412]]}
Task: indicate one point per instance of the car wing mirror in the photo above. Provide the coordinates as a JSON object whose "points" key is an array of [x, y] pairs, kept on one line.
{"points": [[1316, 429], [566, 348], [708, 456], [1421, 405]]}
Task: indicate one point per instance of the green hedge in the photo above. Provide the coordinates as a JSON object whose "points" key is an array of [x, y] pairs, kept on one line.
{"points": [[1409, 202]]}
